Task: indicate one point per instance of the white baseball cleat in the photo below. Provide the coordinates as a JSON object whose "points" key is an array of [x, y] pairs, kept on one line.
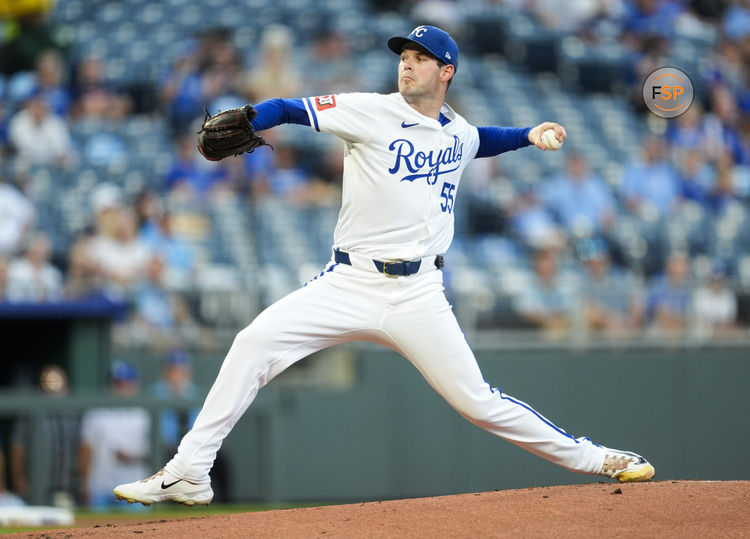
{"points": [[626, 467], [162, 487]]}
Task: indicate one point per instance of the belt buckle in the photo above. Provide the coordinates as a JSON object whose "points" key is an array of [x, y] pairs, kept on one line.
{"points": [[390, 261]]}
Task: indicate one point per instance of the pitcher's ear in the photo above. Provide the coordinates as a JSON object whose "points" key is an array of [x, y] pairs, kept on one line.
{"points": [[448, 71]]}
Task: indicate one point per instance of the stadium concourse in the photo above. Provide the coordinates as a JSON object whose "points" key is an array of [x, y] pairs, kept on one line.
{"points": [[637, 225]]}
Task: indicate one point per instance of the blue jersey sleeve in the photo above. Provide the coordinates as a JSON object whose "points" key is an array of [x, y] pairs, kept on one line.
{"points": [[496, 140], [280, 111]]}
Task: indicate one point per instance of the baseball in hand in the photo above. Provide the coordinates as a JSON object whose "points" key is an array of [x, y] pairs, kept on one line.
{"points": [[550, 140]]}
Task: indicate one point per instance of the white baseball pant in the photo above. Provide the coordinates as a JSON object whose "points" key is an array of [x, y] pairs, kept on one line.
{"points": [[407, 314]]}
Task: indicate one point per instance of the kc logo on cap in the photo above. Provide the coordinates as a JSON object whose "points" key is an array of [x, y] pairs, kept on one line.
{"points": [[438, 42]]}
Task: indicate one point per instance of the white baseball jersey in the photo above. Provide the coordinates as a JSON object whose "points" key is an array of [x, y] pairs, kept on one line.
{"points": [[108, 431], [401, 173]]}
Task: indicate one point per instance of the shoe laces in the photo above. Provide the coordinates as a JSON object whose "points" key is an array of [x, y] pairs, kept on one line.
{"points": [[616, 462], [157, 474]]}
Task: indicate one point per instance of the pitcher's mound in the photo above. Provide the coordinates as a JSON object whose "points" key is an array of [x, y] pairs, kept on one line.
{"points": [[656, 509]]}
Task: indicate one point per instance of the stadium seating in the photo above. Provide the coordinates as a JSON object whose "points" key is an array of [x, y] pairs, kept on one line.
{"points": [[267, 244]]}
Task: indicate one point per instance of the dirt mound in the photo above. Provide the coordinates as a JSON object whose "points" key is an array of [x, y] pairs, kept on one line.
{"points": [[664, 509]]}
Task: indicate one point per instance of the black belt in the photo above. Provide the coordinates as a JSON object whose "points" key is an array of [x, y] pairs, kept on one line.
{"points": [[390, 268]]}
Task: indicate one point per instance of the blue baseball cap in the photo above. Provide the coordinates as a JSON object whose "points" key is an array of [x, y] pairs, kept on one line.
{"points": [[177, 357], [121, 371], [438, 42]]}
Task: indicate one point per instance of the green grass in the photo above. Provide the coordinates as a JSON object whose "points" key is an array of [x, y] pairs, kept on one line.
{"points": [[87, 517]]}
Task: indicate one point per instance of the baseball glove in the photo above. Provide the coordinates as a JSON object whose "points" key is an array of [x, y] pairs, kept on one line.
{"points": [[229, 133]]}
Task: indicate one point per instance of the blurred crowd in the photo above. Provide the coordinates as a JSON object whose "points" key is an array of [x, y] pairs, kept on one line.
{"points": [[143, 242], [87, 452]]}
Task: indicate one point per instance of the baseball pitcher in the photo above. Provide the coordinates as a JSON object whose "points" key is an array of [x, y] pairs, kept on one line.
{"points": [[405, 153]]}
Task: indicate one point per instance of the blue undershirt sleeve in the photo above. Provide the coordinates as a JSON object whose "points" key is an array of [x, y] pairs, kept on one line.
{"points": [[280, 111], [496, 140]]}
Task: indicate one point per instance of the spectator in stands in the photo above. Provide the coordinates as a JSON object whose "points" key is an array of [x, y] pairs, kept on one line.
{"points": [[105, 147], [176, 383], [50, 82], [441, 13], [651, 186], [33, 278], [7, 498], [647, 18], [722, 125], [715, 303], [94, 98], [105, 203], [121, 255], [580, 199], [114, 441], [648, 53], [687, 131], [712, 186], [209, 69], [39, 136], [568, 17], [699, 19], [613, 300], [159, 313], [62, 430], [289, 180], [275, 74], [181, 87], [546, 303], [669, 296], [696, 177], [83, 278], [330, 64], [724, 188], [736, 20], [728, 66], [156, 229], [151, 299], [257, 169], [487, 195], [604, 26], [179, 263], [17, 217], [190, 176], [647, 29], [223, 77], [148, 210], [530, 222]]}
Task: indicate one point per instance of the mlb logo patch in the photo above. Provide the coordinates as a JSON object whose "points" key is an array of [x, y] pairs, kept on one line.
{"points": [[324, 102]]}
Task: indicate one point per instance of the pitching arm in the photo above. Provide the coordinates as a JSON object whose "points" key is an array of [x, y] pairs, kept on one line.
{"points": [[496, 140]]}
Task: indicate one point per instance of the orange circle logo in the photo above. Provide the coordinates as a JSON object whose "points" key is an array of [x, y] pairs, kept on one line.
{"points": [[668, 92]]}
